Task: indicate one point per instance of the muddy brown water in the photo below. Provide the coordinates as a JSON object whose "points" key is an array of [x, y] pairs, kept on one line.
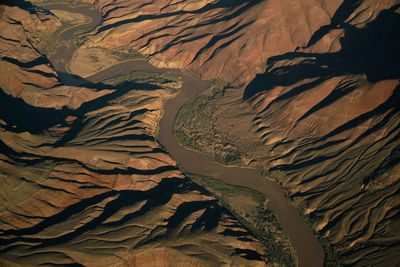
{"points": [[308, 248], [64, 48]]}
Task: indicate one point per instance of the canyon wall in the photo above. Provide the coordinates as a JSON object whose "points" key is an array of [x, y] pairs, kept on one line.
{"points": [[321, 81], [316, 79], [83, 181]]}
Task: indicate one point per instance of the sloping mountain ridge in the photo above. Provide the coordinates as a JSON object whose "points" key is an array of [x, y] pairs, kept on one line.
{"points": [[357, 112], [216, 39], [325, 125], [330, 122], [84, 182], [326, 108]]}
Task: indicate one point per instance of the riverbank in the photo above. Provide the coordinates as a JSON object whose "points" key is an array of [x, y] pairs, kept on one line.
{"points": [[307, 246], [250, 207]]}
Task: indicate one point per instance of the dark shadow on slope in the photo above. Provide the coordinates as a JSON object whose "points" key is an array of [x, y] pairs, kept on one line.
{"points": [[19, 3], [209, 219], [391, 106], [248, 254], [26, 5], [101, 102], [225, 4], [337, 20], [78, 81], [72, 79], [30, 64], [392, 160], [392, 103], [156, 196], [22, 117], [237, 233], [372, 50]]}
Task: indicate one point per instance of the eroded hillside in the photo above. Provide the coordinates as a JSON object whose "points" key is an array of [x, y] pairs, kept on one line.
{"points": [[322, 117], [83, 181], [325, 120], [222, 39], [328, 115]]}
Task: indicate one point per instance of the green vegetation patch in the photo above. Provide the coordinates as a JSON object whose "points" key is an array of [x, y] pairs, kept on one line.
{"points": [[81, 36], [216, 123], [50, 45], [195, 130], [331, 257], [166, 79], [250, 208]]}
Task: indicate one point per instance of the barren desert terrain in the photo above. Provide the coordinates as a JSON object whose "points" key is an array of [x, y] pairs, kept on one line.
{"points": [[199, 133]]}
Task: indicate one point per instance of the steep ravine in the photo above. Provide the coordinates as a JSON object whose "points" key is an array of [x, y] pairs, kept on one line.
{"points": [[322, 111], [322, 114], [308, 249], [323, 120], [83, 181]]}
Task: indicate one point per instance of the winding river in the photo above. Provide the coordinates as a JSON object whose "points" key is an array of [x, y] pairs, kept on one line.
{"points": [[308, 248]]}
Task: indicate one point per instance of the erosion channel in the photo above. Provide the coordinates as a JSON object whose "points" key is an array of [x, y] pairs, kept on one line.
{"points": [[308, 248]]}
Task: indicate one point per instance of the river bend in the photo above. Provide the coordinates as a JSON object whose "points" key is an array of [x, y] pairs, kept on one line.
{"points": [[308, 248]]}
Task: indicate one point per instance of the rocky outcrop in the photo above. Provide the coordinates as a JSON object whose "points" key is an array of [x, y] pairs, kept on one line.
{"points": [[216, 39], [24, 71], [83, 181], [328, 115], [325, 108]]}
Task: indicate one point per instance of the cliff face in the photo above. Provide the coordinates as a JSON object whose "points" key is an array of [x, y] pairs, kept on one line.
{"points": [[216, 39], [324, 114], [328, 115], [326, 107], [83, 181], [25, 71]]}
